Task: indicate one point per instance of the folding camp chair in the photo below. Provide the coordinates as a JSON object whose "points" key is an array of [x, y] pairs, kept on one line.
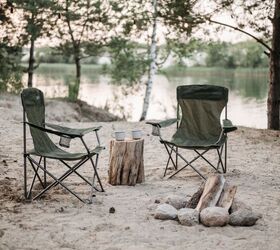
{"points": [[44, 148], [198, 126]]}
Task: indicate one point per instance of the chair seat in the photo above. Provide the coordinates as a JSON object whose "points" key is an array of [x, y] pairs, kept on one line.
{"points": [[189, 143], [64, 155]]}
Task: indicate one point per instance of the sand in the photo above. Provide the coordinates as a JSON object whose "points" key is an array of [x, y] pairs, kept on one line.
{"points": [[60, 221]]}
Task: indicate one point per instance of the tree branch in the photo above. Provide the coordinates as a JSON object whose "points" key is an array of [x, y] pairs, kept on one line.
{"points": [[84, 24], [242, 31], [164, 59]]}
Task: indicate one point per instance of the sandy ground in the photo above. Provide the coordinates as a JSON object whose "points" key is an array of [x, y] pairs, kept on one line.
{"points": [[60, 221]]}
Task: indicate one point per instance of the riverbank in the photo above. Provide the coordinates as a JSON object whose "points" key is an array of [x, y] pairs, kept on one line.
{"points": [[58, 110], [59, 221]]}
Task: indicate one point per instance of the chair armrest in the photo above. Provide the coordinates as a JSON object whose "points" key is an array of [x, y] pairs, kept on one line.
{"points": [[72, 131], [163, 124], [228, 126], [59, 133]]}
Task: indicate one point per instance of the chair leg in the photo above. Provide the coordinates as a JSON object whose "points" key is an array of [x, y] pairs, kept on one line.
{"points": [[189, 164], [25, 176], [176, 158], [56, 181], [95, 174], [45, 175], [69, 172], [32, 183], [169, 158], [36, 174], [67, 165], [220, 160], [225, 165], [216, 168], [61, 178]]}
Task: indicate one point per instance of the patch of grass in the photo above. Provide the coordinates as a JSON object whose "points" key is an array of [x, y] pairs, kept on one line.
{"points": [[177, 70]]}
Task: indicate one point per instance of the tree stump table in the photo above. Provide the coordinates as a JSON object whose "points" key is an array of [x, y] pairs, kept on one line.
{"points": [[126, 162]]}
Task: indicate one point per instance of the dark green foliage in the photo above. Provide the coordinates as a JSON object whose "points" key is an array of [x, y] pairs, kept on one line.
{"points": [[179, 16], [82, 28], [129, 62], [218, 55], [38, 20], [10, 69], [73, 91], [37, 17], [252, 55], [245, 54]]}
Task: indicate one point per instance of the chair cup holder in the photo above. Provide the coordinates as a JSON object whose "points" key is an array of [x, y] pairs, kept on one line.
{"points": [[156, 131], [64, 141]]}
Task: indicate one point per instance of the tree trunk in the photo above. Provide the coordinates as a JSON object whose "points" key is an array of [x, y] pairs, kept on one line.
{"points": [[31, 63], [273, 101], [74, 88], [152, 69]]}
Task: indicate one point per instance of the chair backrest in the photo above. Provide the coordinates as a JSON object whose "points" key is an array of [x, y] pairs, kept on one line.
{"points": [[201, 108], [34, 108]]}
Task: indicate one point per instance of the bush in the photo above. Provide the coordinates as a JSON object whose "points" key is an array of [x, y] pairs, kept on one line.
{"points": [[10, 69]]}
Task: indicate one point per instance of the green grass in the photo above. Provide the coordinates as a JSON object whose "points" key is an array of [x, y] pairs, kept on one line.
{"points": [[176, 70], [64, 67]]}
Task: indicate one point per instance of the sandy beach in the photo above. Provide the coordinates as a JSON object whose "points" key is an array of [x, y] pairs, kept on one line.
{"points": [[60, 221]]}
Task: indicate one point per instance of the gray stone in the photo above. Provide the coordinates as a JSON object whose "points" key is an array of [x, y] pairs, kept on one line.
{"points": [[166, 212], [214, 216], [176, 201], [239, 205], [243, 217], [188, 216]]}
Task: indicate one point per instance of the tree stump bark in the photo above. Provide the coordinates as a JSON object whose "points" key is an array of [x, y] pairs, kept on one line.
{"points": [[126, 162]]}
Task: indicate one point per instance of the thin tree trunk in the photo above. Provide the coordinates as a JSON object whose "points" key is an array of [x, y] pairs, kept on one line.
{"points": [[78, 77], [273, 101], [31, 63], [153, 68], [74, 88]]}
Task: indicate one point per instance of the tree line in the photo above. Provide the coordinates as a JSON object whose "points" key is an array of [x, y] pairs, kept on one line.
{"points": [[247, 54], [83, 28]]}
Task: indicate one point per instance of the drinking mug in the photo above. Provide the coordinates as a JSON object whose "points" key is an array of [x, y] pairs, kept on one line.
{"points": [[136, 134], [119, 135]]}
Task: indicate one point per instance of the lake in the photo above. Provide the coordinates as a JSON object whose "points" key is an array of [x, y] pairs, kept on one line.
{"points": [[247, 96]]}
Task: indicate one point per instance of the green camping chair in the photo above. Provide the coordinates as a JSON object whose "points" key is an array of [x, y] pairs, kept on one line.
{"points": [[198, 126], [44, 148]]}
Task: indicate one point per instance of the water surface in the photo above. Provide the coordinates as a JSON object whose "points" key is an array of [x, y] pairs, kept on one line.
{"points": [[247, 96]]}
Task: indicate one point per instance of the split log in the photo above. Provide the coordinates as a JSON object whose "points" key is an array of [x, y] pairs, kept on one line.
{"points": [[211, 193], [126, 162], [227, 196], [192, 203]]}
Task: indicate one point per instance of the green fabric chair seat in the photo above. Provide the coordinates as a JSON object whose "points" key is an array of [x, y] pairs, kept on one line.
{"points": [[61, 154], [195, 143]]}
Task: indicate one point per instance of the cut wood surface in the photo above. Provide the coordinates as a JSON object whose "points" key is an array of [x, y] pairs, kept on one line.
{"points": [[227, 196], [126, 162], [211, 193]]}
